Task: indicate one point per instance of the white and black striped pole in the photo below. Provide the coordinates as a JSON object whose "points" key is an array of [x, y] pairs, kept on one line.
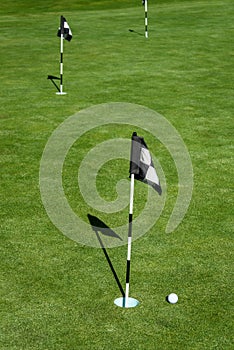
{"points": [[145, 2], [61, 57], [129, 241], [126, 301]]}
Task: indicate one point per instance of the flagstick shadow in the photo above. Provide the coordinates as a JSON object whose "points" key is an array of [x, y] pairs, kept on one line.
{"points": [[100, 226], [133, 31]]}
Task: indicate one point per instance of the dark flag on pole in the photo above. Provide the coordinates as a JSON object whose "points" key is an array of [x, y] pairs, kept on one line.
{"points": [[141, 164], [64, 32], [64, 29], [141, 168]]}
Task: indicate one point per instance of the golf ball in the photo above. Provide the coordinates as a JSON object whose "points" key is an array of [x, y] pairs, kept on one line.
{"points": [[172, 298]]}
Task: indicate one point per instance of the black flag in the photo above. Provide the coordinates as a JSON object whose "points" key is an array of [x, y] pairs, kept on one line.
{"points": [[141, 164], [64, 29]]}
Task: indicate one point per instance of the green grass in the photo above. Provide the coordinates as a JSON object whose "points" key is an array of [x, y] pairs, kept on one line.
{"points": [[57, 294]]}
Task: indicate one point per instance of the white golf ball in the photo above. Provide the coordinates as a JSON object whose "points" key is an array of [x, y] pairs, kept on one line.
{"points": [[172, 298]]}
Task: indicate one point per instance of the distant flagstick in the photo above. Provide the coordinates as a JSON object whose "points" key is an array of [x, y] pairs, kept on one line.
{"points": [[64, 32], [145, 2], [61, 92]]}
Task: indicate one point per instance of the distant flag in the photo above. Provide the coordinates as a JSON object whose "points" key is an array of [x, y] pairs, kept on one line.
{"points": [[141, 164], [64, 32], [64, 29]]}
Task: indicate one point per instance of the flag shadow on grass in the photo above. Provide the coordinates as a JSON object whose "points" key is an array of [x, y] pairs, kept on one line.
{"points": [[99, 226], [134, 31]]}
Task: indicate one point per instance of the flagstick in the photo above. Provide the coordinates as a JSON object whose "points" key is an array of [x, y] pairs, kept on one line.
{"points": [[61, 67], [126, 301], [146, 19], [129, 240], [61, 63]]}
